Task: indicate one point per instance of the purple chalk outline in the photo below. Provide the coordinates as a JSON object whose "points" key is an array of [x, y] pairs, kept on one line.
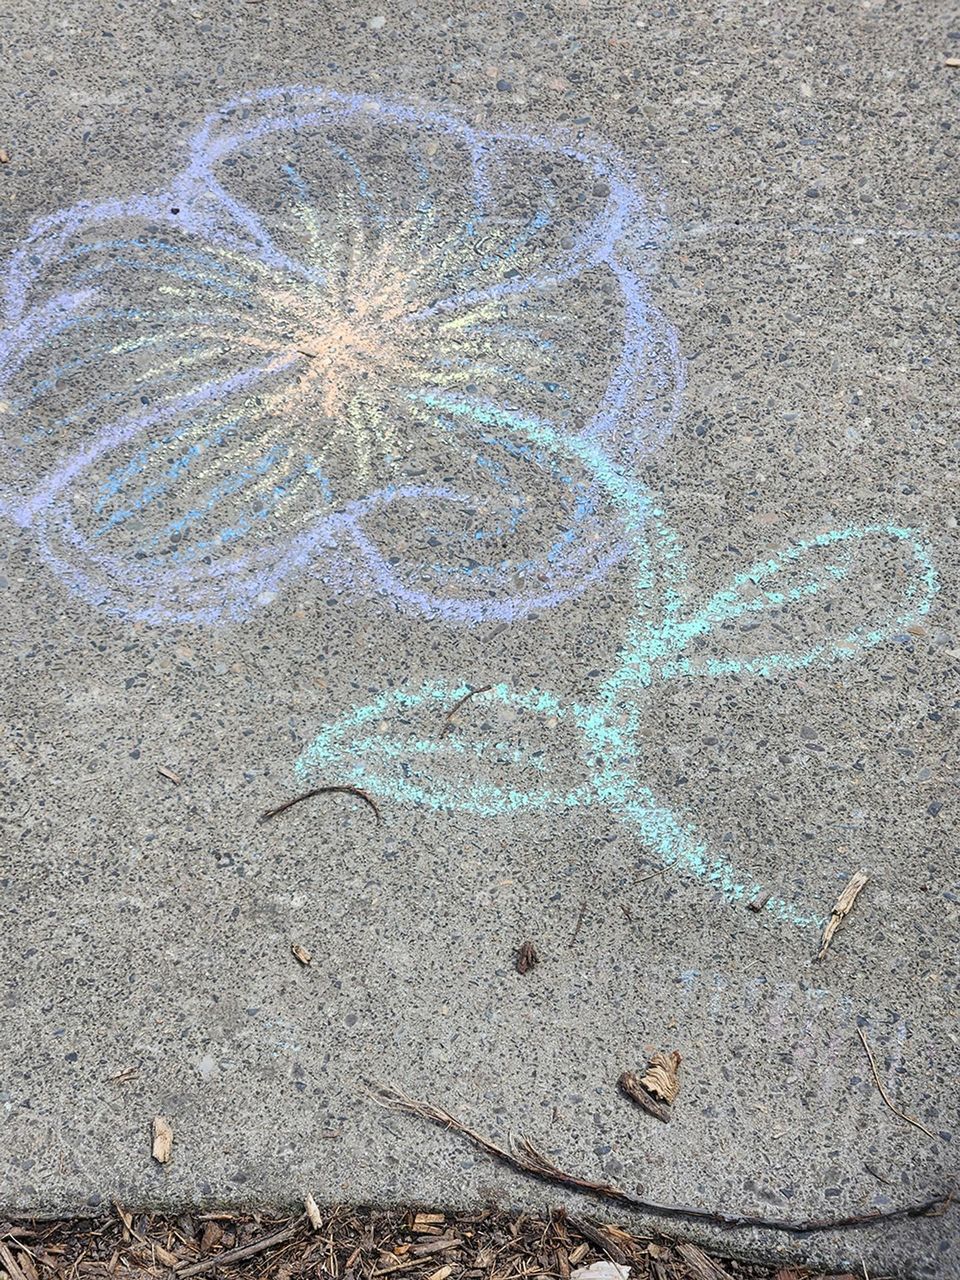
{"points": [[625, 236]]}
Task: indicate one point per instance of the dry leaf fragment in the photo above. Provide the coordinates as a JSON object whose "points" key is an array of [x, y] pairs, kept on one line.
{"points": [[312, 1212], [841, 908], [164, 772], [212, 1235], [162, 1139], [441, 1273], [656, 1090], [301, 953], [527, 957]]}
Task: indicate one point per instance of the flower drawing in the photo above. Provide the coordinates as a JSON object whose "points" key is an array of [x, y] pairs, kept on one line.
{"points": [[419, 359], [265, 369]]}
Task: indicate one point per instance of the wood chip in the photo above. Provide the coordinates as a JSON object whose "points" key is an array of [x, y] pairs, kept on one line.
{"points": [[312, 1212], [947, 62], [28, 1267], [162, 1139], [759, 901], [526, 957], [441, 1273], [612, 1242], [699, 1266], [301, 953], [164, 772], [166, 1257], [656, 1090], [841, 909], [434, 1246], [10, 1263], [5, 156], [429, 1219]]}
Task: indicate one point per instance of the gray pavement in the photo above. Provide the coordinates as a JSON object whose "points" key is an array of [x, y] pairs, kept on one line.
{"points": [[600, 360]]}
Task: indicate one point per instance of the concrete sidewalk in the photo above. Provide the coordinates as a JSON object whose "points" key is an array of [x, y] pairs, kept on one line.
{"points": [[542, 420]]}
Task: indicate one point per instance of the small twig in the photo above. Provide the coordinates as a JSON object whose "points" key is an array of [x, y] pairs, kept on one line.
{"points": [[471, 693], [883, 1093], [653, 874], [245, 1251], [576, 927], [344, 789], [525, 1157]]}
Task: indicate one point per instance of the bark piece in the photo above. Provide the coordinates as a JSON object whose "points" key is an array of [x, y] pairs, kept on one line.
{"points": [[841, 908], [656, 1090]]}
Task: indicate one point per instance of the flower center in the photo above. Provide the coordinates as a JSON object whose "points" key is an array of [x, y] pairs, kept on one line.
{"points": [[343, 336]]}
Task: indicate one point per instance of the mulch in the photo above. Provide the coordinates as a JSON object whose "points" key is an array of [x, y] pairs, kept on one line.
{"points": [[352, 1244]]}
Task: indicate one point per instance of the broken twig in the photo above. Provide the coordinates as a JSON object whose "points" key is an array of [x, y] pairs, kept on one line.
{"points": [[525, 1157], [883, 1093], [245, 1251], [343, 789], [841, 908]]}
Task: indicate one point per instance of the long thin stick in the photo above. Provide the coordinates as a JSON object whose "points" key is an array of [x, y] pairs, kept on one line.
{"points": [[524, 1156], [344, 789], [245, 1251], [471, 693], [883, 1093]]}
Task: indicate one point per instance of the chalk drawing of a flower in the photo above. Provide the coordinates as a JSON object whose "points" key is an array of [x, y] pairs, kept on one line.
{"points": [[249, 375], [844, 590]]}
